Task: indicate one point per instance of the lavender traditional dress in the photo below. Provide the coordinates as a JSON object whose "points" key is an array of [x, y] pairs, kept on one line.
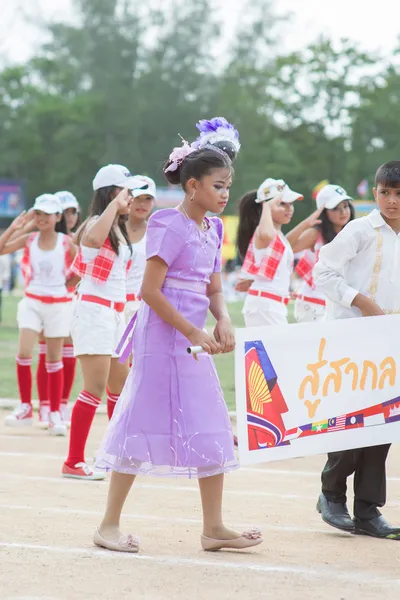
{"points": [[171, 418]]}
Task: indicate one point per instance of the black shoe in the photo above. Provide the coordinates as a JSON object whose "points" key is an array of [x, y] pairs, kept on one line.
{"points": [[335, 514], [377, 527]]}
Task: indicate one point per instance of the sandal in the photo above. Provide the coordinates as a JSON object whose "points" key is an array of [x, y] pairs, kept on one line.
{"points": [[248, 539], [126, 543]]}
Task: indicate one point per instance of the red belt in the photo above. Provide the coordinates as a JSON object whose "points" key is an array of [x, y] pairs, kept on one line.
{"points": [[262, 294], [118, 306], [312, 300], [132, 298], [48, 299]]}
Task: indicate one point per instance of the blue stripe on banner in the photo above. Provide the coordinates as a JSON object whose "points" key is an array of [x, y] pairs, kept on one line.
{"points": [[391, 402], [266, 365], [267, 425]]}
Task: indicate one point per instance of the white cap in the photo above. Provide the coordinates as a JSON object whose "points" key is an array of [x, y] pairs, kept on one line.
{"points": [[48, 203], [67, 200], [144, 186], [117, 175], [331, 196], [276, 188]]}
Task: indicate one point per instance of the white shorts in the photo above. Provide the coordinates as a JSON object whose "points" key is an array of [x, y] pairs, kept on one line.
{"points": [[53, 319], [96, 329], [258, 311], [131, 308], [308, 312]]}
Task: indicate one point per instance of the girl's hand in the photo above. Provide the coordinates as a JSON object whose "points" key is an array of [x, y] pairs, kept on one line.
{"points": [[198, 337], [242, 285], [313, 219], [20, 221], [224, 334], [123, 200]]}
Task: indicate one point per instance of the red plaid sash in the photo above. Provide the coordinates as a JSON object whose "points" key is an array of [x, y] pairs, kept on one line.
{"points": [[26, 267], [99, 268], [306, 264], [270, 261]]}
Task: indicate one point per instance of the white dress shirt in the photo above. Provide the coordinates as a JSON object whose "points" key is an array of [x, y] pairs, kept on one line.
{"points": [[363, 258]]}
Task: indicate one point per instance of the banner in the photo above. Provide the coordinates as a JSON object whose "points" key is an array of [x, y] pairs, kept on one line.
{"points": [[314, 388], [11, 198], [231, 224]]}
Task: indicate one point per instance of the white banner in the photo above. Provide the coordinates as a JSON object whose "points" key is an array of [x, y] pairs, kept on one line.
{"points": [[315, 388]]}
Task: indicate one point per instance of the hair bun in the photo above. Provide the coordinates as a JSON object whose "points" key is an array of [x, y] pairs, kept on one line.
{"points": [[173, 177], [227, 146]]}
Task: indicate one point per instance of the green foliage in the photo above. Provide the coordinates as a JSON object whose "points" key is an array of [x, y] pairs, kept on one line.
{"points": [[122, 81]]}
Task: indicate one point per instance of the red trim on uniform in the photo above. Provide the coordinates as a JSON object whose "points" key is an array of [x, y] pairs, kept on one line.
{"points": [[270, 261], [48, 299], [312, 300], [262, 294], [118, 306], [132, 298]]}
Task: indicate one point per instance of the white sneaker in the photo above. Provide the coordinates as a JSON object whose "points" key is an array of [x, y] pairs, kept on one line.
{"points": [[65, 412], [44, 412], [20, 417], [56, 426]]}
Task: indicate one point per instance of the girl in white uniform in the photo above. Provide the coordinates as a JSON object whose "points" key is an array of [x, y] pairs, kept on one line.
{"points": [[335, 211], [46, 306], [268, 256], [98, 323], [144, 195], [71, 214]]}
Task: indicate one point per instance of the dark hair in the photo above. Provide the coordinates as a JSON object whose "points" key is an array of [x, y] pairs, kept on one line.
{"points": [[388, 174], [249, 218], [326, 227], [198, 164], [101, 199], [61, 226], [78, 221]]}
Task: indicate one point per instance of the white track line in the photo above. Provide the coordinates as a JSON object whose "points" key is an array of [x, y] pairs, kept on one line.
{"points": [[259, 471], [154, 486], [164, 519], [328, 574]]}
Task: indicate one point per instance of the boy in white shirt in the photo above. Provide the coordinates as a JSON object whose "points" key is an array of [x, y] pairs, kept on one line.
{"points": [[359, 273]]}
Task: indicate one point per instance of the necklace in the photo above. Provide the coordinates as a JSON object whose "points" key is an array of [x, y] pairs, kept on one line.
{"points": [[204, 225]]}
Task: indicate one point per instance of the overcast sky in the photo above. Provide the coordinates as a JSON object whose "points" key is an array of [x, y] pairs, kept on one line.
{"points": [[374, 25]]}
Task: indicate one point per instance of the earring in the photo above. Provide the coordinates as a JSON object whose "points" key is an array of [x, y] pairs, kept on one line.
{"points": [[193, 196]]}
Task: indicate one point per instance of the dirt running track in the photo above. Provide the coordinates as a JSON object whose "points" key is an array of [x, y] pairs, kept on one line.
{"points": [[46, 524]]}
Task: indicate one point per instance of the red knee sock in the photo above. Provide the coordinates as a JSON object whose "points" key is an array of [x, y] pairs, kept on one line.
{"points": [[111, 402], [24, 376], [69, 362], [55, 381], [81, 421], [41, 375]]}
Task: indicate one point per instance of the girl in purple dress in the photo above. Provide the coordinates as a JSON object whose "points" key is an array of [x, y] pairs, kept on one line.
{"points": [[171, 418]]}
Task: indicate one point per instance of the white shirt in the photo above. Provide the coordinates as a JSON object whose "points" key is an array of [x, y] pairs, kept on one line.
{"points": [[114, 288], [280, 284], [48, 269], [136, 271], [363, 258]]}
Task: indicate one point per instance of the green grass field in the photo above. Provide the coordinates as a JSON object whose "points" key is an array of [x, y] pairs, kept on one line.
{"points": [[8, 349]]}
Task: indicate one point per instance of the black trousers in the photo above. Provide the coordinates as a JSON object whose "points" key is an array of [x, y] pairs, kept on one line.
{"points": [[368, 466]]}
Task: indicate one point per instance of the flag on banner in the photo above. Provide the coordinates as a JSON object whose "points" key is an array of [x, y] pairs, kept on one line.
{"points": [[319, 187], [362, 188], [265, 403]]}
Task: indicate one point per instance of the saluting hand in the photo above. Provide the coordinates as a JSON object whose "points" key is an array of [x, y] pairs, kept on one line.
{"points": [[123, 200]]}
